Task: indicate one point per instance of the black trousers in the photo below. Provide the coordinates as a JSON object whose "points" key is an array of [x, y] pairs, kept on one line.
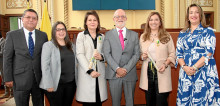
{"points": [[63, 96], [22, 97], [98, 99], [153, 97]]}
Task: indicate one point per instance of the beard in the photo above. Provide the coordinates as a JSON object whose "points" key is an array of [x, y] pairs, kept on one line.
{"points": [[120, 25]]}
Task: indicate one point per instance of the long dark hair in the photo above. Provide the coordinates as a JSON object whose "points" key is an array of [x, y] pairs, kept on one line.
{"points": [[163, 35], [66, 39], [96, 16]]}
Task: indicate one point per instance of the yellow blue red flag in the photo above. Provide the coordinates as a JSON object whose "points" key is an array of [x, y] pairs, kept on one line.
{"points": [[45, 23], [28, 4]]}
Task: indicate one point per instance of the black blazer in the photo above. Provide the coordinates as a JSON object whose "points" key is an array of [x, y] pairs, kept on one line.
{"points": [[18, 65]]}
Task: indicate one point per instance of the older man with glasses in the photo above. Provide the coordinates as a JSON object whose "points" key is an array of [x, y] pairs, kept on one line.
{"points": [[121, 50]]}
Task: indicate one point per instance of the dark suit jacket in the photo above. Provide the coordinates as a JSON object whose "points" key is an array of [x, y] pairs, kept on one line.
{"points": [[18, 64]]}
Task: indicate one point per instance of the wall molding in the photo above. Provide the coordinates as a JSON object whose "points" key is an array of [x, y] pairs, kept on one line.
{"points": [[176, 15], [66, 13], [203, 3], [187, 3], [38, 11], [162, 9], [52, 12], [218, 15], [18, 4]]}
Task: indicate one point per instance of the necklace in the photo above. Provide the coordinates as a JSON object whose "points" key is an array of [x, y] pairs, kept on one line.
{"points": [[155, 39], [153, 35]]}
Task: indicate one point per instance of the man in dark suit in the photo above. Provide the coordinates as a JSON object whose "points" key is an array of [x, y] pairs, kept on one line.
{"points": [[22, 60], [121, 50]]}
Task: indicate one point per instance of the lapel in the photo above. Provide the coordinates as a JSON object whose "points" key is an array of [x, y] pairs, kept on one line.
{"points": [[23, 40], [128, 37], [55, 51], [116, 36], [100, 40], [37, 39], [89, 41], [73, 48]]}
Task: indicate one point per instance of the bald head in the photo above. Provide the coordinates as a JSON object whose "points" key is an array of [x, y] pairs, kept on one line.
{"points": [[119, 11], [120, 18]]}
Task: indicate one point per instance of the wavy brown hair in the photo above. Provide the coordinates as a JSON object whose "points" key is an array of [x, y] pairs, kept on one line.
{"points": [[163, 35], [66, 39], [201, 16]]}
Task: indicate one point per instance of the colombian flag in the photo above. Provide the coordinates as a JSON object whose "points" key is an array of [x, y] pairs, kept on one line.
{"points": [[28, 4], [45, 23]]}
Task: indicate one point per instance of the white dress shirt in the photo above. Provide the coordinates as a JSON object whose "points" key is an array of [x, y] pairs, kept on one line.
{"points": [[26, 33], [123, 32]]}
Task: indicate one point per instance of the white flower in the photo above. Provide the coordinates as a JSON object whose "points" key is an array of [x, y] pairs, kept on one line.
{"points": [[199, 84], [186, 84]]}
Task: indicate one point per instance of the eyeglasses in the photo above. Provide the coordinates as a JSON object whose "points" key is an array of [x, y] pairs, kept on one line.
{"points": [[33, 18], [120, 16], [60, 29]]}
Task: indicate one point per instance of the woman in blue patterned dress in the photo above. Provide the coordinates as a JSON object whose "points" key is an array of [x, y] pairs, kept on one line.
{"points": [[198, 76]]}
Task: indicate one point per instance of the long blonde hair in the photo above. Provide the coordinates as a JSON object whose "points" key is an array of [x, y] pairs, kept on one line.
{"points": [[163, 35], [201, 16]]}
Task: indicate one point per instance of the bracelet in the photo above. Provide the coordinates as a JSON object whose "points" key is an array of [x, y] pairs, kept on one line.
{"points": [[183, 66], [165, 65], [195, 67]]}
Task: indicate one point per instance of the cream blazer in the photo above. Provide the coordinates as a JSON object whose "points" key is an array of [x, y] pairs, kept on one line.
{"points": [[86, 86], [163, 52]]}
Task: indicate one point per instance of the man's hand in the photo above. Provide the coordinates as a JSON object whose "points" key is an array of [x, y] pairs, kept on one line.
{"points": [[121, 72], [9, 84]]}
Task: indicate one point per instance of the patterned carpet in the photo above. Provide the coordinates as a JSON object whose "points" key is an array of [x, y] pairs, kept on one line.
{"points": [[7, 101], [2, 100], [10, 102]]}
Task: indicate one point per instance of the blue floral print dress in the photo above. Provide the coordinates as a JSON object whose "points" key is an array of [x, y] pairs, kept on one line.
{"points": [[201, 89]]}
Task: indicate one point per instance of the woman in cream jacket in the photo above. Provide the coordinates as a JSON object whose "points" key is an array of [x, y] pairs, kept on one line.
{"points": [[91, 88], [157, 53]]}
